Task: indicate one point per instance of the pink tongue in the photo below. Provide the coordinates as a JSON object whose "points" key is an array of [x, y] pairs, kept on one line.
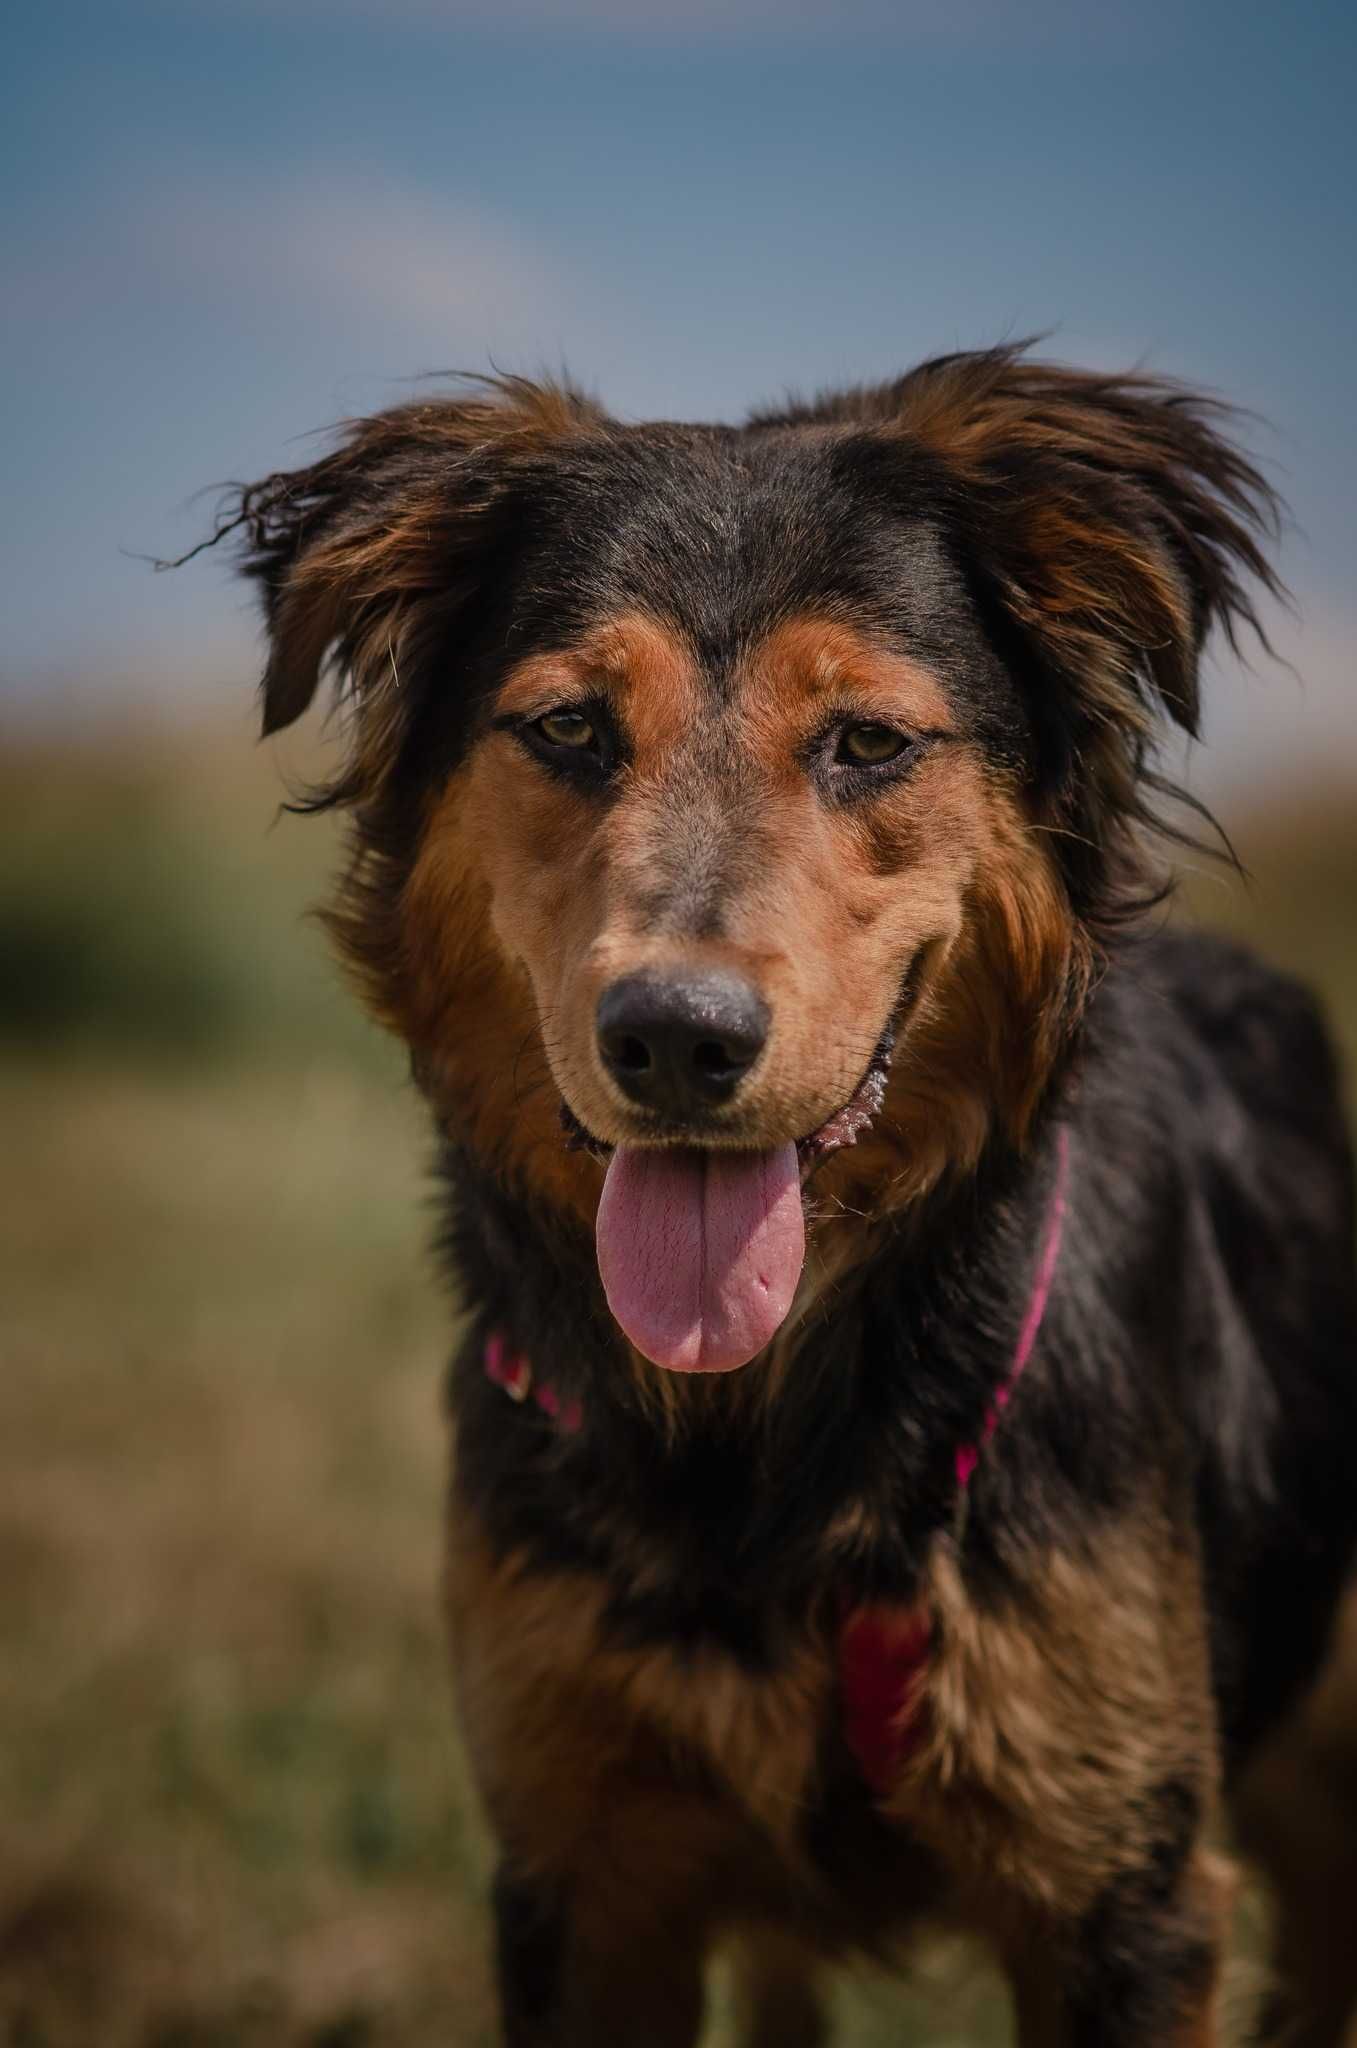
{"points": [[700, 1252]]}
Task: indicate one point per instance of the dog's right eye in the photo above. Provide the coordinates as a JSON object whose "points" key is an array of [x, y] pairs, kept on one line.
{"points": [[570, 729]]}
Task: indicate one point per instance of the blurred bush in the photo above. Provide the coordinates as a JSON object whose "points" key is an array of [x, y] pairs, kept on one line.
{"points": [[152, 905]]}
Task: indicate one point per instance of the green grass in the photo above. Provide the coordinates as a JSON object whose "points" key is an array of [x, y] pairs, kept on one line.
{"points": [[232, 1806]]}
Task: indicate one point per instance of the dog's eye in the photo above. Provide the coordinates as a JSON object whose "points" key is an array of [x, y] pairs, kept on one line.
{"points": [[567, 729], [868, 746]]}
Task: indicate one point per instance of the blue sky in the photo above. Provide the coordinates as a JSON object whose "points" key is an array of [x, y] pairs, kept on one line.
{"points": [[229, 222]]}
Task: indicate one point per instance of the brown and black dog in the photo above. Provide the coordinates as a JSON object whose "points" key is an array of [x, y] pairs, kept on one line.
{"points": [[926, 1285]]}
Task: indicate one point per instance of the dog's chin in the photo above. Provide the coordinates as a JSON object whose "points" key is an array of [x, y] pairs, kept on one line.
{"points": [[701, 1234]]}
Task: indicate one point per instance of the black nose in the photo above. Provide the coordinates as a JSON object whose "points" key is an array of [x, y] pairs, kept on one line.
{"points": [[680, 1043]]}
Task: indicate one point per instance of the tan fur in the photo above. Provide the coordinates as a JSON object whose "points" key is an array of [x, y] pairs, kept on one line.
{"points": [[1048, 1732], [536, 1666]]}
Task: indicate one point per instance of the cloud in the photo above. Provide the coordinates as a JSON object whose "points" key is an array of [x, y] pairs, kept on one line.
{"points": [[378, 256], [365, 249]]}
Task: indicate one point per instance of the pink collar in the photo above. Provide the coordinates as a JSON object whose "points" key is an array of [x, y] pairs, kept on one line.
{"points": [[883, 1651], [968, 1455], [512, 1371]]}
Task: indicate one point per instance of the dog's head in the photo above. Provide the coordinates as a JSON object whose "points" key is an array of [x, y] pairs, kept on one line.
{"points": [[727, 797]]}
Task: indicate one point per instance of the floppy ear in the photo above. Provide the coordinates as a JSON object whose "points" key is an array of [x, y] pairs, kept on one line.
{"points": [[1120, 521], [366, 558], [1112, 524]]}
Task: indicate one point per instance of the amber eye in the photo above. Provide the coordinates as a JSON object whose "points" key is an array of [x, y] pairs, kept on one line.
{"points": [[867, 746], [567, 729]]}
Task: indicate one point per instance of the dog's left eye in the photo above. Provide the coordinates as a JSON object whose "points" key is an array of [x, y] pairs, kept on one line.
{"points": [[567, 729], [868, 746]]}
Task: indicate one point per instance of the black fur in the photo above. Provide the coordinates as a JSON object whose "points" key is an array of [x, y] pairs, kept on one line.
{"points": [[529, 1944]]}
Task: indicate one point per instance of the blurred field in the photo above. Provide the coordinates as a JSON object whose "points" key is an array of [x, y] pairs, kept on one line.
{"points": [[232, 1810]]}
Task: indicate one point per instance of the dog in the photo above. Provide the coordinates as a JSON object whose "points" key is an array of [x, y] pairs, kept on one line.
{"points": [[905, 1424]]}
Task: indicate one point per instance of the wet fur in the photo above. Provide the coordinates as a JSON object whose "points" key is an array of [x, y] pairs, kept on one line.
{"points": [[1023, 561]]}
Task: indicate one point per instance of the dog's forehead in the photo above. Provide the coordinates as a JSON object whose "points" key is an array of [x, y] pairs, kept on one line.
{"points": [[726, 535]]}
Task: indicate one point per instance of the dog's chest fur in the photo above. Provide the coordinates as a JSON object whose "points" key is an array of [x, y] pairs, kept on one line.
{"points": [[574, 1730]]}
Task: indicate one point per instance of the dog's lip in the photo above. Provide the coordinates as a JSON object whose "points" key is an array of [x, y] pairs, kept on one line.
{"points": [[855, 1118]]}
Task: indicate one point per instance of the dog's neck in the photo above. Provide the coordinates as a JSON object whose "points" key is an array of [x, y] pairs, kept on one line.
{"points": [[859, 1413]]}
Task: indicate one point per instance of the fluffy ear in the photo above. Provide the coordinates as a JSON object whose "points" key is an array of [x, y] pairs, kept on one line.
{"points": [[1118, 521], [1110, 523], [367, 557]]}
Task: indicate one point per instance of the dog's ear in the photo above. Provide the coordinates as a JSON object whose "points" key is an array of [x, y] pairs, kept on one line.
{"points": [[1110, 523], [371, 553], [1117, 520]]}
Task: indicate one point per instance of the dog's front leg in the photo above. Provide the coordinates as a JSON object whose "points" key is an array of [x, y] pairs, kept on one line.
{"points": [[777, 1992], [1140, 1970], [574, 1971], [529, 1924], [603, 1904]]}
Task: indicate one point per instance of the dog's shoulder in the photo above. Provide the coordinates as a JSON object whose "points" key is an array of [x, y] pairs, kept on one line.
{"points": [[1207, 1023], [1256, 1018]]}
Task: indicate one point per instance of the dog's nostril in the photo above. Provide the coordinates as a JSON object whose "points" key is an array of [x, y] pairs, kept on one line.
{"points": [[632, 1054], [710, 1057]]}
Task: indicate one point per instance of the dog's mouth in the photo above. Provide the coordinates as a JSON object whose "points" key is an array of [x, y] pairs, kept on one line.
{"points": [[844, 1127], [700, 1248]]}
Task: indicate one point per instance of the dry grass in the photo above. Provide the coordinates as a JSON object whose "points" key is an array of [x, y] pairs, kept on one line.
{"points": [[232, 1808], [227, 1750]]}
